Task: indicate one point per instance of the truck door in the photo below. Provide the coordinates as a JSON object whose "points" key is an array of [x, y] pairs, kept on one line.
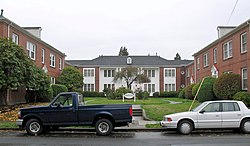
{"points": [[62, 111]]}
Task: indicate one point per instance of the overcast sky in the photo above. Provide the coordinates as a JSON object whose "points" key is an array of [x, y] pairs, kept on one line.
{"points": [[85, 29]]}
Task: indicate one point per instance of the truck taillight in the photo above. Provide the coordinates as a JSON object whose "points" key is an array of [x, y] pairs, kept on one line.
{"points": [[19, 114], [131, 111]]}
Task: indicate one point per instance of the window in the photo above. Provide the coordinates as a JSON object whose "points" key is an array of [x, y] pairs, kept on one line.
{"points": [[227, 50], [188, 72], [109, 86], [15, 38], [88, 87], [149, 73], [129, 60], [169, 72], [205, 60], [243, 42], [149, 87], [230, 106], [109, 73], [198, 63], [52, 60], [43, 56], [215, 55], [60, 63], [88, 72], [212, 107], [170, 87], [244, 79], [64, 101], [31, 50], [52, 80]]}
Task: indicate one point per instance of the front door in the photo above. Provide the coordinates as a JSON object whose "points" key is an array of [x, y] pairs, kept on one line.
{"points": [[210, 116]]}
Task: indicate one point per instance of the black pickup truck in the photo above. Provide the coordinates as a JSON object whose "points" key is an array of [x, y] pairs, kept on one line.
{"points": [[68, 109]]}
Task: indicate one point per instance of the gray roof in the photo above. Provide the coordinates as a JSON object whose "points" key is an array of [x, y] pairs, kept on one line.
{"points": [[112, 61]]}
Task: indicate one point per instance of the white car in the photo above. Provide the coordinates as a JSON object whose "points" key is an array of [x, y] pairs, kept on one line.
{"points": [[224, 114]]}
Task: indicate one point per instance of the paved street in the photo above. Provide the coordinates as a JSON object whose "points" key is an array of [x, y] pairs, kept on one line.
{"points": [[76, 138]]}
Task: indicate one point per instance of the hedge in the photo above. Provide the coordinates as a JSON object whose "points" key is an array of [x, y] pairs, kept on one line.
{"points": [[188, 92], [92, 94], [169, 94], [58, 88], [206, 91], [226, 86], [181, 93], [243, 96]]}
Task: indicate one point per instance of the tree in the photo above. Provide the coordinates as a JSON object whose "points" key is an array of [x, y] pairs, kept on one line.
{"points": [[72, 78], [177, 57], [13, 67], [123, 51], [130, 75]]}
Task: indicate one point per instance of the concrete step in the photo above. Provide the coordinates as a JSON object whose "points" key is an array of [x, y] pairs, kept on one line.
{"points": [[137, 112]]}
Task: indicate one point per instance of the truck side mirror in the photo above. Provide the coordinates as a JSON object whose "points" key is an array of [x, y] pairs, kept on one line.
{"points": [[57, 104]]}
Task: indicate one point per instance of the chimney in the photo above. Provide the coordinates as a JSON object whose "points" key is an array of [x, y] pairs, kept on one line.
{"points": [[36, 31], [1, 12], [223, 30]]}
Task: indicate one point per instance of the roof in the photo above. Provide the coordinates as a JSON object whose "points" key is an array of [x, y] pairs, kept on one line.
{"points": [[223, 37], [109, 61], [3, 19]]}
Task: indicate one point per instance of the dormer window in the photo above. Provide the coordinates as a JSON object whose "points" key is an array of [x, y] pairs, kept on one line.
{"points": [[129, 60]]}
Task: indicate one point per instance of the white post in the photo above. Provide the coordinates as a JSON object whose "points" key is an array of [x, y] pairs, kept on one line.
{"points": [[134, 97], [123, 98]]}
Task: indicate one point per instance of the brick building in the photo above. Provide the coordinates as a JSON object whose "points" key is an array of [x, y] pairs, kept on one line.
{"points": [[165, 75], [227, 54], [45, 56]]}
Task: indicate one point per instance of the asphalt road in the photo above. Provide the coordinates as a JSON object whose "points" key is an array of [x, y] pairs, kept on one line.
{"points": [[75, 138]]}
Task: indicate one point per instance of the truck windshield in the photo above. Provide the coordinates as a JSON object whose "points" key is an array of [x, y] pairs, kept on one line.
{"points": [[80, 100]]}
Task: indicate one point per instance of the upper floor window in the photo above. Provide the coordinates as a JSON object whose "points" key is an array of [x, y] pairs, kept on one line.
{"points": [[215, 55], [205, 60], [31, 50], [227, 50], [88, 72], [244, 78], [243, 42], [43, 56], [149, 73], [169, 72], [60, 63], [15, 38], [52, 60], [198, 63], [109, 73]]}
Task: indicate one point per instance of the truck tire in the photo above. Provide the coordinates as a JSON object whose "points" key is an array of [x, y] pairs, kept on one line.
{"points": [[185, 127], [245, 126], [103, 127], [34, 127]]}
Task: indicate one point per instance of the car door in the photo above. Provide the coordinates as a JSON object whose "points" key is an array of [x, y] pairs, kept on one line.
{"points": [[209, 116], [231, 115], [62, 111]]}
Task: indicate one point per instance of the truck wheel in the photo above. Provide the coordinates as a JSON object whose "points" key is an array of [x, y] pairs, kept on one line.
{"points": [[185, 127], [245, 126], [34, 127], [103, 127]]}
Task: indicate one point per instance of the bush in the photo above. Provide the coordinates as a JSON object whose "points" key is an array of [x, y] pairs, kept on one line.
{"points": [[156, 94], [188, 92], [142, 94], [120, 91], [243, 96], [58, 88], [181, 93], [226, 86], [39, 95], [92, 94], [169, 94], [195, 89], [206, 91]]}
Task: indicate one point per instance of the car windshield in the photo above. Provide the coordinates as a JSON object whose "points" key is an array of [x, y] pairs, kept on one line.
{"points": [[199, 107]]}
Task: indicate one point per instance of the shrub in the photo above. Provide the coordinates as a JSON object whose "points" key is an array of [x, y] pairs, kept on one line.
{"points": [[243, 96], [188, 92], [226, 86], [92, 94], [120, 91], [169, 94], [142, 94], [181, 93], [195, 89], [206, 91], [39, 95], [58, 88], [156, 94]]}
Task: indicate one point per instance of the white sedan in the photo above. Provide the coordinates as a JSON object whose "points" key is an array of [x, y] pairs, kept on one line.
{"points": [[224, 114]]}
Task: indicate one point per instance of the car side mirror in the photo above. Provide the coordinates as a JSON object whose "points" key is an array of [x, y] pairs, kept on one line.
{"points": [[202, 112]]}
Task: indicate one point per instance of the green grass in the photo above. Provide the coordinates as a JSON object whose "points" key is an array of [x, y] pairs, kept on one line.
{"points": [[153, 126], [8, 125], [155, 108]]}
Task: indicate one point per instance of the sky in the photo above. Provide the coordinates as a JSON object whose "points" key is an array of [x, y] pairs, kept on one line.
{"points": [[86, 29]]}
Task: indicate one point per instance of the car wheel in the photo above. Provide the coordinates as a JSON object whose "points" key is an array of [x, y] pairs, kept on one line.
{"points": [[245, 126], [34, 127], [103, 127], [185, 127]]}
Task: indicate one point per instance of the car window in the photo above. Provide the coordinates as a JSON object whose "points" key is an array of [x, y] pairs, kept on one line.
{"points": [[230, 106], [64, 100], [212, 107]]}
